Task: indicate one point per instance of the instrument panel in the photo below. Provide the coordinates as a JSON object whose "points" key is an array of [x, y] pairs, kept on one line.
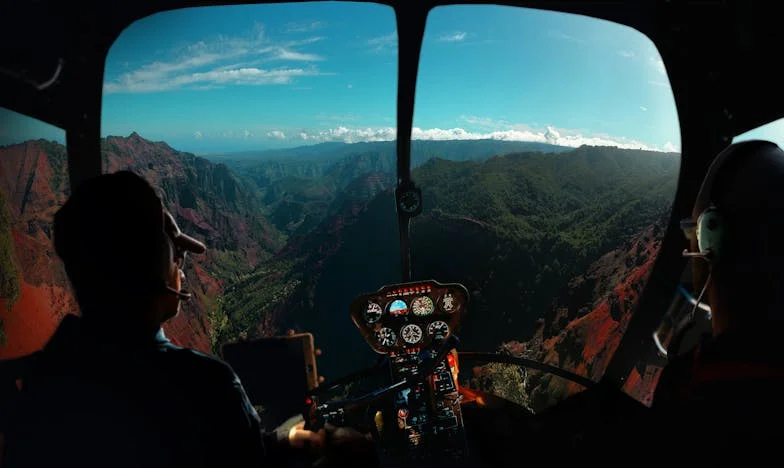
{"points": [[416, 315]]}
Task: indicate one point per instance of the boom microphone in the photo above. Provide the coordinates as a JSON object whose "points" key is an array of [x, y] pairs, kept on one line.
{"points": [[184, 295], [704, 255], [668, 324]]}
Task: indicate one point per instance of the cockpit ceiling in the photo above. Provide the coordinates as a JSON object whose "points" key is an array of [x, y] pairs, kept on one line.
{"points": [[715, 53]]}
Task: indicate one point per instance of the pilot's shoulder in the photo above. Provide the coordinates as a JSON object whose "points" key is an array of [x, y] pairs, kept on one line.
{"points": [[204, 365]]}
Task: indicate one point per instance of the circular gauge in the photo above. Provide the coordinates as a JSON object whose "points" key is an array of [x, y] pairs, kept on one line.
{"points": [[410, 201], [373, 312], [411, 334], [449, 303], [386, 337], [398, 307], [422, 306], [439, 330]]}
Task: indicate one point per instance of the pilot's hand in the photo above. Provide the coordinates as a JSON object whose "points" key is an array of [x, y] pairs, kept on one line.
{"points": [[344, 443], [329, 438], [346, 437], [299, 437]]}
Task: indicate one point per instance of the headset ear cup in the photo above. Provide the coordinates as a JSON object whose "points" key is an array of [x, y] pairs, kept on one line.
{"points": [[710, 233]]}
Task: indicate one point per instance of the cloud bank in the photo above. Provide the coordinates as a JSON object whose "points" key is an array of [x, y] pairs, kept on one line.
{"points": [[250, 59], [550, 135]]}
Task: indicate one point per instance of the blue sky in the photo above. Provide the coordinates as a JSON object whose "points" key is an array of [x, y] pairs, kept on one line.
{"points": [[259, 76]]}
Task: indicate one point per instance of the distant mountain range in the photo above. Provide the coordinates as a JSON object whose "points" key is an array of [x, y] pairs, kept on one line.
{"points": [[298, 184], [553, 243], [421, 150]]}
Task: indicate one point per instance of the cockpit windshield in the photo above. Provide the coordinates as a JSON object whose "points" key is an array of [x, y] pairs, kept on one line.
{"points": [[545, 145], [548, 160]]}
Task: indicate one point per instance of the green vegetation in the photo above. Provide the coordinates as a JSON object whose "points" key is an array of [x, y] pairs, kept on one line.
{"points": [[520, 227], [585, 197], [516, 229], [246, 304], [9, 273], [219, 324], [507, 381], [298, 185], [58, 160], [229, 265]]}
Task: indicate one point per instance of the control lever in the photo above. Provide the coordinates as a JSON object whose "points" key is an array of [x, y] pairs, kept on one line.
{"points": [[451, 342]]}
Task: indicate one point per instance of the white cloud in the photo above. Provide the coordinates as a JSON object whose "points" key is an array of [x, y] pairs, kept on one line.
{"points": [[285, 54], [383, 44], [350, 134], [660, 84], [453, 37], [207, 80], [551, 135], [197, 135], [305, 26], [306, 41], [643, 108], [503, 132], [349, 86], [215, 61], [626, 53]]}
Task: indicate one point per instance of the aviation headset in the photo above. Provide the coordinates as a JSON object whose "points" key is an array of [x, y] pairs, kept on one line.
{"points": [[712, 230]]}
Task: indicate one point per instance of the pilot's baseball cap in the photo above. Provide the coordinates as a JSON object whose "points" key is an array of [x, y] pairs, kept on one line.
{"points": [[111, 228]]}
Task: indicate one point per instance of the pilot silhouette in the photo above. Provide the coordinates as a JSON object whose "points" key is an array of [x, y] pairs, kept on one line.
{"points": [[726, 392], [109, 389]]}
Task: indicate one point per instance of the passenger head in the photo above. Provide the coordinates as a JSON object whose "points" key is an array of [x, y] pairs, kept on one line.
{"points": [[741, 201], [122, 250]]}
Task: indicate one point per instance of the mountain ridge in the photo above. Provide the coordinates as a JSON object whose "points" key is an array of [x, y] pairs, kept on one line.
{"points": [[207, 200], [543, 241]]}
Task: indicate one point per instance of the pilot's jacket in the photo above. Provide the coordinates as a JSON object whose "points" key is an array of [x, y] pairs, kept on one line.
{"points": [[725, 397], [121, 399]]}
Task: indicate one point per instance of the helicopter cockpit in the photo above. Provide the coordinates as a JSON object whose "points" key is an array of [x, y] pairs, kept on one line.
{"points": [[451, 227]]}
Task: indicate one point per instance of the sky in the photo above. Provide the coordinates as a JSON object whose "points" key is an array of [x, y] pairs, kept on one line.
{"points": [[232, 78]]}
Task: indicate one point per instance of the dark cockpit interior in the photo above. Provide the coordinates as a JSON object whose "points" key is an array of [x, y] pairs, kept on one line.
{"points": [[394, 248]]}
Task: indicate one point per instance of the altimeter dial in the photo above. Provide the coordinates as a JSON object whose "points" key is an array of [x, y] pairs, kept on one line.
{"points": [[411, 333]]}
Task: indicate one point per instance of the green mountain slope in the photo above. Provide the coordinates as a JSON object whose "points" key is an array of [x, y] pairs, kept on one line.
{"points": [[514, 229]]}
